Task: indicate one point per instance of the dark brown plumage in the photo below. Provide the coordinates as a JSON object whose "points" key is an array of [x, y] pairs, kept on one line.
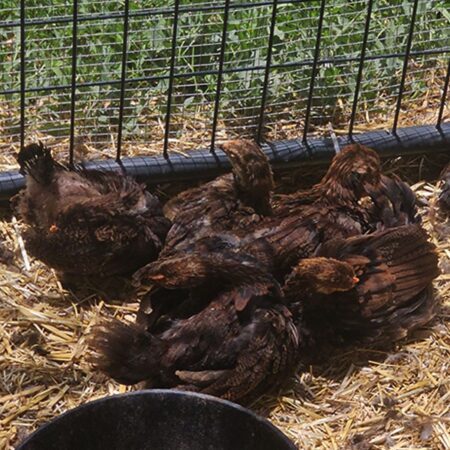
{"points": [[184, 281], [333, 208], [87, 222], [252, 174], [238, 344], [209, 258], [374, 288], [229, 202], [352, 174], [298, 236], [355, 173], [393, 203]]}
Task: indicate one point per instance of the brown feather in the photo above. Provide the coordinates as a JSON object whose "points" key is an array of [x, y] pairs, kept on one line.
{"points": [[395, 269], [230, 202], [87, 222], [220, 349]]}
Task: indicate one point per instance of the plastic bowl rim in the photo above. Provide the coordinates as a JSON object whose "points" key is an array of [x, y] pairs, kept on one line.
{"points": [[165, 392]]}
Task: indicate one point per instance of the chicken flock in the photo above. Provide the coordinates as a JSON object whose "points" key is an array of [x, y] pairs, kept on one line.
{"points": [[237, 285]]}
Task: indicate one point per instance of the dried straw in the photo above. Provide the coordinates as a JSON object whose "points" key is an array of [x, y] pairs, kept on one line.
{"points": [[361, 399]]}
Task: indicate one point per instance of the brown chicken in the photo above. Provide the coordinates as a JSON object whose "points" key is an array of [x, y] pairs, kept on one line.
{"points": [[352, 174], [236, 340], [87, 222], [173, 299], [231, 201], [375, 288], [355, 173], [333, 209]]}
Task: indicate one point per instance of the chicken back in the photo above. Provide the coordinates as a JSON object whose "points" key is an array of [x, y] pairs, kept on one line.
{"points": [[334, 209], [230, 202], [237, 345], [374, 288]]}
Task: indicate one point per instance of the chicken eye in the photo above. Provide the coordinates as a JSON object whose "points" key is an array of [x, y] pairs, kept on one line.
{"points": [[356, 177]]}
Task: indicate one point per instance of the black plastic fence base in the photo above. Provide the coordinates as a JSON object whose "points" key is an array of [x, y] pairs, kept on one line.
{"points": [[289, 153]]}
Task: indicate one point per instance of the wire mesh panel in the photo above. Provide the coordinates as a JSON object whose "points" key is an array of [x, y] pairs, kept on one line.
{"points": [[115, 78]]}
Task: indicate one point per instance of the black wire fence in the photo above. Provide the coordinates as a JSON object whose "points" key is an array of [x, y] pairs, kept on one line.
{"points": [[142, 81]]}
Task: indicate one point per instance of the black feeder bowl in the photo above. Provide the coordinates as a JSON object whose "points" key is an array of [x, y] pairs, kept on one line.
{"points": [[158, 420]]}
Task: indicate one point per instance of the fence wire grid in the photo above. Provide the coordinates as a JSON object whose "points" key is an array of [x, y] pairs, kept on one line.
{"points": [[150, 76]]}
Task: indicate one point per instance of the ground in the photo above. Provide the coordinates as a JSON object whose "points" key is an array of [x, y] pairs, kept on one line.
{"points": [[362, 399]]}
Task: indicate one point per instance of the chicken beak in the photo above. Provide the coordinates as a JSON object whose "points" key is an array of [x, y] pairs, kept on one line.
{"points": [[355, 280], [53, 228], [157, 277]]}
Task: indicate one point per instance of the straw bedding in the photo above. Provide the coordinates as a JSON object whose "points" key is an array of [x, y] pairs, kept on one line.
{"points": [[361, 399]]}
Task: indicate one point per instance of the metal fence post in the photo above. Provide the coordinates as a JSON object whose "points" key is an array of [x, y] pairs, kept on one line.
{"points": [[267, 72], [123, 77], [223, 45], [405, 66], [73, 93], [171, 77], [314, 70], [22, 74]]}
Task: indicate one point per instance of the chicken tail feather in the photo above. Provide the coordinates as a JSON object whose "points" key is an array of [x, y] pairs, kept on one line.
{"points": [[127, 353], [37, 161]]}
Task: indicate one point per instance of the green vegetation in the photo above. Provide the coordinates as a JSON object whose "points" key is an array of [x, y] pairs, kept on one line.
{"points": [[48, 62]]}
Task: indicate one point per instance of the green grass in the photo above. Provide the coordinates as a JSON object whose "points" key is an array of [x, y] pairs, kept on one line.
{"points": [[48, 56]]}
